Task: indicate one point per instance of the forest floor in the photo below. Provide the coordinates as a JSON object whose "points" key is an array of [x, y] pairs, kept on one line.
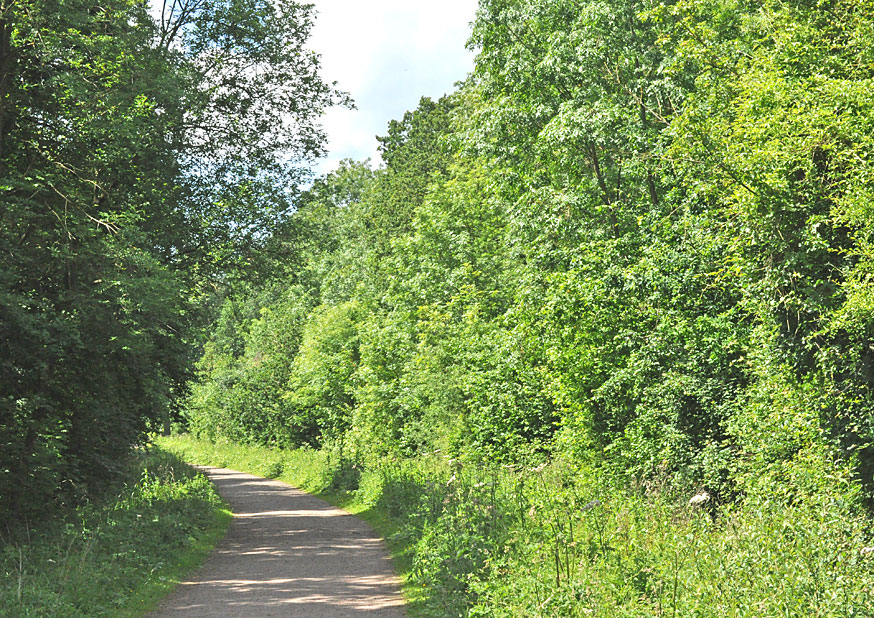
{"points": [[290, 554]]}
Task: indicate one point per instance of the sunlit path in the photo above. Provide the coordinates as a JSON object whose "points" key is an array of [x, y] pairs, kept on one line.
{"points": [[288, 554]]}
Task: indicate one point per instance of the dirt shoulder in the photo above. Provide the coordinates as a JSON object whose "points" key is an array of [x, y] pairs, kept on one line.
{"points": [[288, 554]]}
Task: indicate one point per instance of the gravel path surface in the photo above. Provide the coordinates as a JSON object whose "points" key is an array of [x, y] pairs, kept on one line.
{"points": [[288, 554]]}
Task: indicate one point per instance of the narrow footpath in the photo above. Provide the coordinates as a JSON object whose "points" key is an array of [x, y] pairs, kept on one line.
{"points": [[288, 554]]}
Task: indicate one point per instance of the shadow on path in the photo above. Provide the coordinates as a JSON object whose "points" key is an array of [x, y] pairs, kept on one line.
{"points": [[288, 554]]}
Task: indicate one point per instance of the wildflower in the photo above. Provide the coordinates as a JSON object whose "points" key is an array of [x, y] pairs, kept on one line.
{"points": [[867, 550], [539, 468], [700, 498]]}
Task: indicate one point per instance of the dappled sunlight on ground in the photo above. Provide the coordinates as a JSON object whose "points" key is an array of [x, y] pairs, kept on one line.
{"points": [[288, 554]]}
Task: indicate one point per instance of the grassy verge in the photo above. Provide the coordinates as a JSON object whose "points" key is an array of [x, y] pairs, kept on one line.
{"points": [[559, 541], [118, 557]]}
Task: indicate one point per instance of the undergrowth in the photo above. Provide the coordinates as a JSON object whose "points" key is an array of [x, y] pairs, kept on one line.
{"points": [[559, 541], [116, 557]]}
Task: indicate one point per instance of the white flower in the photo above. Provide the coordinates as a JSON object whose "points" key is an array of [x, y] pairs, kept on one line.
{"points": [[867, 550], [700, 498]]}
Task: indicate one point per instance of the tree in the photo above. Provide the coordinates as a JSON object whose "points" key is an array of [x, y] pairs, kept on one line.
{"points": [[137, 160], [245, 108]]}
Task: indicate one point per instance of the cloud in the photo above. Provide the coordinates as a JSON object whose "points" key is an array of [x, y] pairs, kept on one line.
{"points": [[387, 54]]}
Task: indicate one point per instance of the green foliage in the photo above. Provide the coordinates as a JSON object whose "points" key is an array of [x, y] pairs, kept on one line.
{"points": [[142, 163], [633, 236], [245, 367], [619, 555], [110, 557], [91, 317], [320, 395], [637, 239], [778, 144], [560, 540]]}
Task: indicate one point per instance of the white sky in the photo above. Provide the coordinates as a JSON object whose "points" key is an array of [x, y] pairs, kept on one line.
{"points": [[387, 54]]}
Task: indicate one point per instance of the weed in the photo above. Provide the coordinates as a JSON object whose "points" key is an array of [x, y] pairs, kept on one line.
{"points": [[116, 557]]}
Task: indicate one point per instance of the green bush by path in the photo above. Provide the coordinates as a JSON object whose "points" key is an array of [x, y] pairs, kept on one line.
{"points": [[117, 557], [559, 540]]}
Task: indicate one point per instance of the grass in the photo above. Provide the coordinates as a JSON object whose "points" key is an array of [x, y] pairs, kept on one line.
{"points": [[560, 541], [157, 586], [118, 557]]}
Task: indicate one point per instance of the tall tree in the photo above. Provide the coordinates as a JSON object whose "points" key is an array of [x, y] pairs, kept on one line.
{"points": [[138, 161]]}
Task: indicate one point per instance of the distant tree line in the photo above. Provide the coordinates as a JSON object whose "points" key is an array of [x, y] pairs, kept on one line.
{"points": [[640, 235]]}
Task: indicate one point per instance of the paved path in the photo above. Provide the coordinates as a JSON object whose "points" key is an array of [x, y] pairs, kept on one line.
{"points": [[288, 554]]}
